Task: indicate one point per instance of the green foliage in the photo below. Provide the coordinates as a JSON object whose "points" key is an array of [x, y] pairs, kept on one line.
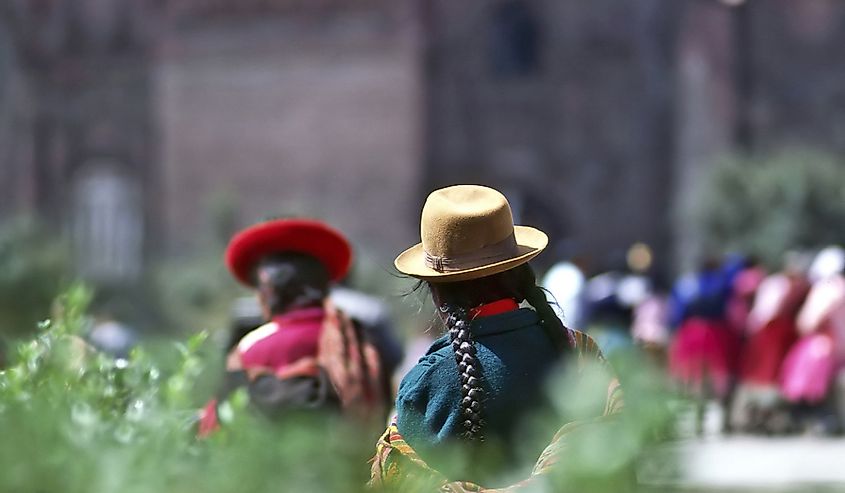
{"points": [[66, 408], [195, 293], [33, 266], [768, 205], [74, 420], [604, 457]]}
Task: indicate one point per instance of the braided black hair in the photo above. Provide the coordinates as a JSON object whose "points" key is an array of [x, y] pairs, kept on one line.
{"points": [[454, 299], [469, 368], [554, 328]]}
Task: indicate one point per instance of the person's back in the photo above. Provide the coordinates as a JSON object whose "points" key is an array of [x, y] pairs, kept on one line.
{"points": [[464, 408], [516, 357], [308, 356], [284, 340]]}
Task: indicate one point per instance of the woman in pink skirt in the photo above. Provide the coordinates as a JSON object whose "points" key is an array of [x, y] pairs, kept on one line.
{"points": [[811, 365], [770, 332], [703, 354]]}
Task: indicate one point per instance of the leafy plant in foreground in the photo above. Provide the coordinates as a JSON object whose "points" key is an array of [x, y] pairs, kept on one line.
{"points": [[74, 420]]}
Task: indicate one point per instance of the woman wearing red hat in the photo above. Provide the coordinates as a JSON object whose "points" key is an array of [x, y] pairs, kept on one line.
{"points": [[308, 354], [483, 380]]}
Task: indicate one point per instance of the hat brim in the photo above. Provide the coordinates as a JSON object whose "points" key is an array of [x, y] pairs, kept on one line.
{"points": [[530, 243], [304, 236]]}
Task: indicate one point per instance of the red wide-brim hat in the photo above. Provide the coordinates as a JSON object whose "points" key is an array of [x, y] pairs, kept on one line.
{"points": [[305, 236]]}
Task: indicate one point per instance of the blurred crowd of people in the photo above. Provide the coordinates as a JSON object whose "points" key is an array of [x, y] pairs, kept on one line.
{"points": [[764, 346]]}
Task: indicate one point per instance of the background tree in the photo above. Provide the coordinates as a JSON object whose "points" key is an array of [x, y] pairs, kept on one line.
{"points": [[765, 205]]}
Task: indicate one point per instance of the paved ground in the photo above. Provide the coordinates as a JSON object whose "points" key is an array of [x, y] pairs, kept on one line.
{"points": [[799, 464]]}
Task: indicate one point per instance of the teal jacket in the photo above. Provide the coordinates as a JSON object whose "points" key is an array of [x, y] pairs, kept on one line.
{"points": [[515, 356]]}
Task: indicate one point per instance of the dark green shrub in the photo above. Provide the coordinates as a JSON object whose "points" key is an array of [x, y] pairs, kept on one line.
{"points": [[769, 204], [33, 266]]}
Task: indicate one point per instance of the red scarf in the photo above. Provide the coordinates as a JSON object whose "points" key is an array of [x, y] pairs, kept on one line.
{"points": [[495, 308]]}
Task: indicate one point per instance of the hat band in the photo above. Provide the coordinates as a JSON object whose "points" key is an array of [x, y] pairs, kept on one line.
{"points": [[490, 254]]}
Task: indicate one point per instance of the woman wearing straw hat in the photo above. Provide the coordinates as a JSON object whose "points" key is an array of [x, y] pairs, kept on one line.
{"points": [[478, 383], [308, 354]]}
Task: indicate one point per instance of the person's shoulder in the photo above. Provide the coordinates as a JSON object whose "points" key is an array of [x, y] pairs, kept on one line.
{"points": [[438, 354], [428, 369], [257, 335]]}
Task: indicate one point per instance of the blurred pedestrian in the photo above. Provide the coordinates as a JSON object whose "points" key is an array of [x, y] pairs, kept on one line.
{"points": [[308, 355], [369, 313], [703, 354], [650, 327], [743, 290], [612, 297], [608, 315], [565, 283], [770, 331], [811, 365]]}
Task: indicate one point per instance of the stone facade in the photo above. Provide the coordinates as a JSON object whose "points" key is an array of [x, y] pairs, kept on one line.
{"points": [[564, 104], [77, 130], [596, 118], [126, 120], [795, 71], [297, 114]]}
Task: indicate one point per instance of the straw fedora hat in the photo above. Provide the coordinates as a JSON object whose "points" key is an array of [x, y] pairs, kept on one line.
{"points": [[467, 232]]}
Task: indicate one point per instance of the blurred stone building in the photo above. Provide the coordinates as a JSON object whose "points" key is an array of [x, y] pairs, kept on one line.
{"points": [[141, 126], [565, 105], [599, 117]]}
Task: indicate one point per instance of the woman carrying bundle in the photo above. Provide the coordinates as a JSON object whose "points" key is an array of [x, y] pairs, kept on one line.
{"points": [[308, 355]]}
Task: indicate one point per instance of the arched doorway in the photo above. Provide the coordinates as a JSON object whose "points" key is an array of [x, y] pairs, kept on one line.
{"points": [[107, 223]]}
